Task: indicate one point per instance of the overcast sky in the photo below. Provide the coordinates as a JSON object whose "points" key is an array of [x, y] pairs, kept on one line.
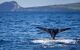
{"points": [[32, 3]]}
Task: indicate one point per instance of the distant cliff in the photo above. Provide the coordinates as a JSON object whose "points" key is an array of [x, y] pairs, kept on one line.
{"points": [[13, 6], [9, 6]]}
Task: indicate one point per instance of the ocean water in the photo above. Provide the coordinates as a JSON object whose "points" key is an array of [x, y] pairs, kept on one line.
{"points": [[18, 29]]}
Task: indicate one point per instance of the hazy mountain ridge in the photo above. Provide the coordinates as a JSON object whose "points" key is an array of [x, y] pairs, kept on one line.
{"points": [[13, 6], [9, 6]]}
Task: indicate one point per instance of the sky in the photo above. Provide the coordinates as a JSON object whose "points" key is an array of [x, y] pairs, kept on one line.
{"points": [[34, 3]]}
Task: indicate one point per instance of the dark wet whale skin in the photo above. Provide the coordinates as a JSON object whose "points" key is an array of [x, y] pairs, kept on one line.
{"points": [[53, 32]]}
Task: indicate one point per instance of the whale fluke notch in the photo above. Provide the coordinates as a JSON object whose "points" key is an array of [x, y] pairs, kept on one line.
{"points": [[53, 32]]}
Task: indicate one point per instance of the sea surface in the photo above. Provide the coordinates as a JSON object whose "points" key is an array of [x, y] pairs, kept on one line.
{"points": [[18, 30]]}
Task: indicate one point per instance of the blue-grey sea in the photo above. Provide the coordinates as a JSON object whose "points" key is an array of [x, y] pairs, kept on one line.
{"points": [[18, 29]]}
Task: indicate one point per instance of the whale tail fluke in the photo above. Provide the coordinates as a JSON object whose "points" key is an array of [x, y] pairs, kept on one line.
{"points": [[53, 32], [61, 30], [41, 28]]}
